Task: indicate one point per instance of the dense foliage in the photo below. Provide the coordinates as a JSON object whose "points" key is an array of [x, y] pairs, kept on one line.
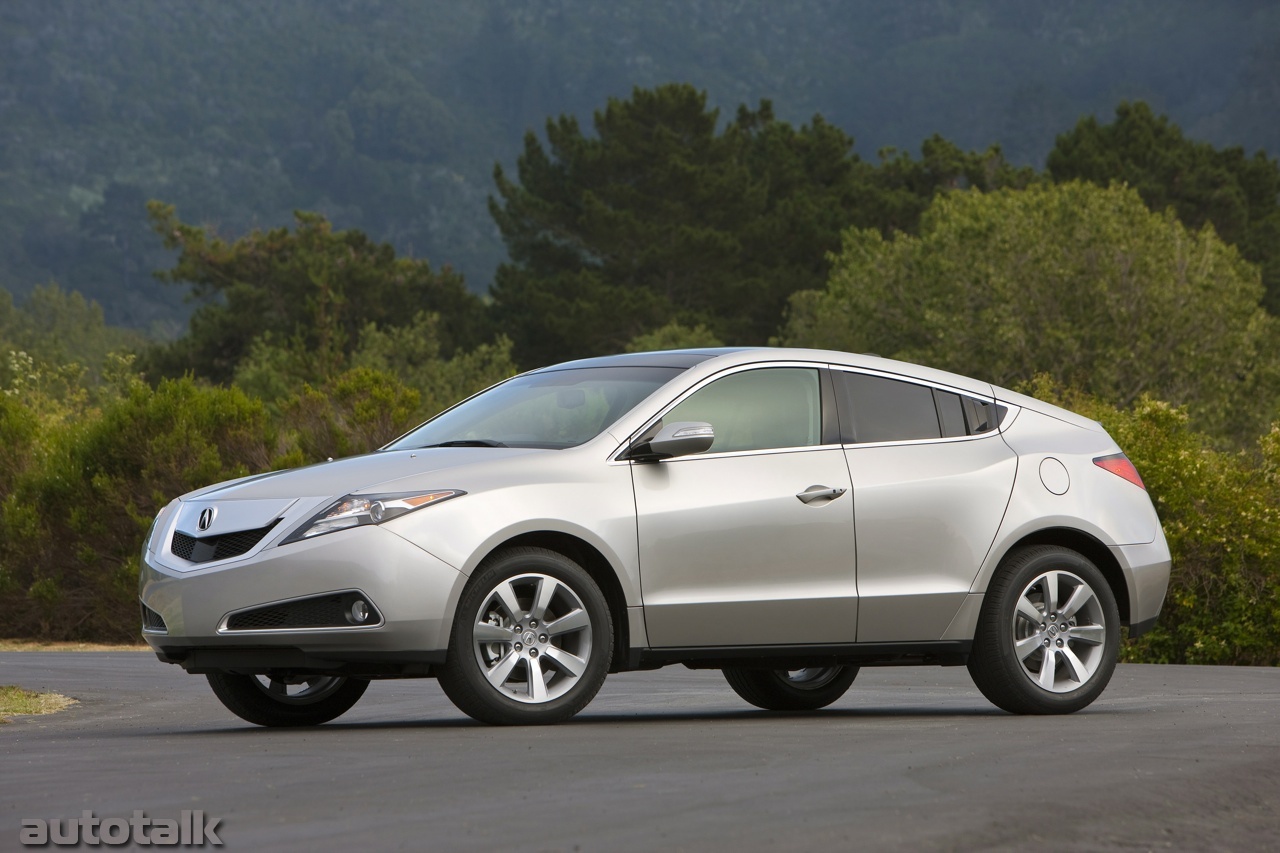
{"points": [[78, 493], [1072, 279], [1238, 195], [1221, 516], [387, 115], [312, 290], [78, 502], [55, 328], [661, 216]]}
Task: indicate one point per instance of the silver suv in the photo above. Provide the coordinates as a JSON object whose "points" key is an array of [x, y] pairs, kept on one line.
{"points": [[785, 516]]}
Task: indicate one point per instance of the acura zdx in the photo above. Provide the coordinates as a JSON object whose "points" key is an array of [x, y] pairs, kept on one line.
{"points": [[786, 516]]}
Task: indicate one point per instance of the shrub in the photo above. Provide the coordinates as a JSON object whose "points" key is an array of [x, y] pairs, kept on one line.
{"points": [[356, 412], [1221, 516], [73, 520]]}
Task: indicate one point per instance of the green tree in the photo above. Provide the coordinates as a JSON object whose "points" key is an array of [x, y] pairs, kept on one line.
{"points": [[1077, 281], [56, 329], [674, 336], [1239, 195], [354, 412], [413, 355], [662, 217], [314, 288], [409, 355]]}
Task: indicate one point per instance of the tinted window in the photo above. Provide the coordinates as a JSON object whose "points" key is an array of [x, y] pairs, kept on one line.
{"points": [[758, 409], [888, 410], [981, 415], [950, 413]]}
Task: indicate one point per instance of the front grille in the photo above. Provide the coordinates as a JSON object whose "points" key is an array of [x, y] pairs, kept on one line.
{"points": [[152, 621], [322, 611], [221, 547]]}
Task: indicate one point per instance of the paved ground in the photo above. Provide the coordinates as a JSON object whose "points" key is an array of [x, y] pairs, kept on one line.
{"points": [[1171, 758]]}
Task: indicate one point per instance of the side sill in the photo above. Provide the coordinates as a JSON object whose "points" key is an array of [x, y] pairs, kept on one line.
{"points": [[938, 652], [276, 660]]}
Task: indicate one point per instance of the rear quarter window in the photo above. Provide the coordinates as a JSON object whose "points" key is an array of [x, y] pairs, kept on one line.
{"points": [[877, 408]]}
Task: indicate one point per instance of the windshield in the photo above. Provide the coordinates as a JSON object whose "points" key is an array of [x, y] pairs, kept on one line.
{"points": [[553, 409]]}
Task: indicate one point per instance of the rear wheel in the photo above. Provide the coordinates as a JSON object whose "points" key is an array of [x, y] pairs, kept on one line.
{"points": [[791, 689], [1048, 634], [302, 700], [532, 640]]}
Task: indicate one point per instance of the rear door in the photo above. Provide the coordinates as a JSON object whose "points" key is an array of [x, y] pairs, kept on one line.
{"points": [[931, 482]]}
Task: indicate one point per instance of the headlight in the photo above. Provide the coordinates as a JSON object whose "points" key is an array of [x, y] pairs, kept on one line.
{"points": [[357, 510]]}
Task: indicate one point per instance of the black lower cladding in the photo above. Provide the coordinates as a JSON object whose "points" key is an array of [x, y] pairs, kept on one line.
{"points": [[939, 652], [293, 661], [222, 547], [333, 610]]}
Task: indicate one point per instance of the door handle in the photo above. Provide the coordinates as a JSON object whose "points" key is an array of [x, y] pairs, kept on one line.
{"points": [[819, 493]]}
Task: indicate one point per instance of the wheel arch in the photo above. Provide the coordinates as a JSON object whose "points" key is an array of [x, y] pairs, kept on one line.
{"points": [[597, 565], [1092, 548]]}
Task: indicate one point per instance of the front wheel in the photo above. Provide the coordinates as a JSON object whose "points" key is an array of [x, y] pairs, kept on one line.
{"points": [[1048, 633], [303, 700], [791, 690], [532, 640]]}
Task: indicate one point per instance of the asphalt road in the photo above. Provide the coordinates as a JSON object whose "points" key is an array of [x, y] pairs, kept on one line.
{"points": [[1170, 758]]}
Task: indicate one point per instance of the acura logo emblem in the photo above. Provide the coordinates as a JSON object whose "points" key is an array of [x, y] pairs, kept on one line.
{"points": [[206, 517]]}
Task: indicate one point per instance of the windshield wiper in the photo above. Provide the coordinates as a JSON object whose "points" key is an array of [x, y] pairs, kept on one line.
{"points": [[467, 442]]}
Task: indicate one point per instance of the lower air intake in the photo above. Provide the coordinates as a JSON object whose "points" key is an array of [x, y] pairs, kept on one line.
{"points": [[337, 610], [153, 621]]}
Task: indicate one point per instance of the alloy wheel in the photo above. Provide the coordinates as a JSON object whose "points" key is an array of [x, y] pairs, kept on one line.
{"points": [[1059, 631]]}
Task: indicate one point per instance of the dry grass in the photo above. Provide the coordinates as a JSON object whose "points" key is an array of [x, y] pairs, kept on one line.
{"points": [[14, 701], [41, 646]]}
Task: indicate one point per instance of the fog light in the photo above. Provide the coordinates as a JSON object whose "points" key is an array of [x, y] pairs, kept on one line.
{"points": [[359, 611]]}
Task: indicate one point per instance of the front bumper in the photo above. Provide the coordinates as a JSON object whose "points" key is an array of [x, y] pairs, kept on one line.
{"points": [[414, 593]]}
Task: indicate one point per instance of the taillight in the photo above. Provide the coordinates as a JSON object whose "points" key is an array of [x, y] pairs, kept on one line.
{"points": [[1119, 464]]}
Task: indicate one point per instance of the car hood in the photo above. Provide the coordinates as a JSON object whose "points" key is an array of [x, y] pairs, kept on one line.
{"points": [[436, 468]]}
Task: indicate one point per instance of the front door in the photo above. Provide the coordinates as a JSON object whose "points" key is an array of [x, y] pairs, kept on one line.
{"points": [[735, 549]]}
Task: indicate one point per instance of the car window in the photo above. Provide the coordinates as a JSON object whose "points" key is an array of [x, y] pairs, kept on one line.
{"points": [[881, 409], [982, 415], [888, 410], [950, 413], [551, 409], [762, 409]]}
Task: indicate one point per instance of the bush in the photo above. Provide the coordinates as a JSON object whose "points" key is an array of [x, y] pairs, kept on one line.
{"points": [[73, 519], [357, 412], [1221, 516]]}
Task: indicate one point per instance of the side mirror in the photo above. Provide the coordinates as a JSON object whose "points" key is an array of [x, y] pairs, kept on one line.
{"points": [[681, 438]]}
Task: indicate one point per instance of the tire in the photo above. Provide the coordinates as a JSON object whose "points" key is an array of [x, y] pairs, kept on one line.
{"points": [[1026, 663], [791, 690], [301, 701], [532, 640]]}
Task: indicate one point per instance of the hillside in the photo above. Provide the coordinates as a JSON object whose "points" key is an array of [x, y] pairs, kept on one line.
{"points": [[389, 116]]}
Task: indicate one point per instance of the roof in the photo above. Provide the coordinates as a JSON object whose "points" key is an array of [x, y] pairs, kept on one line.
{"points": [[664, 358]]}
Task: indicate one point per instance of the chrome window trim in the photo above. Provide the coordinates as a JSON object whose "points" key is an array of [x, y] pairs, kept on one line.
{"points": [[767, 451]]}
